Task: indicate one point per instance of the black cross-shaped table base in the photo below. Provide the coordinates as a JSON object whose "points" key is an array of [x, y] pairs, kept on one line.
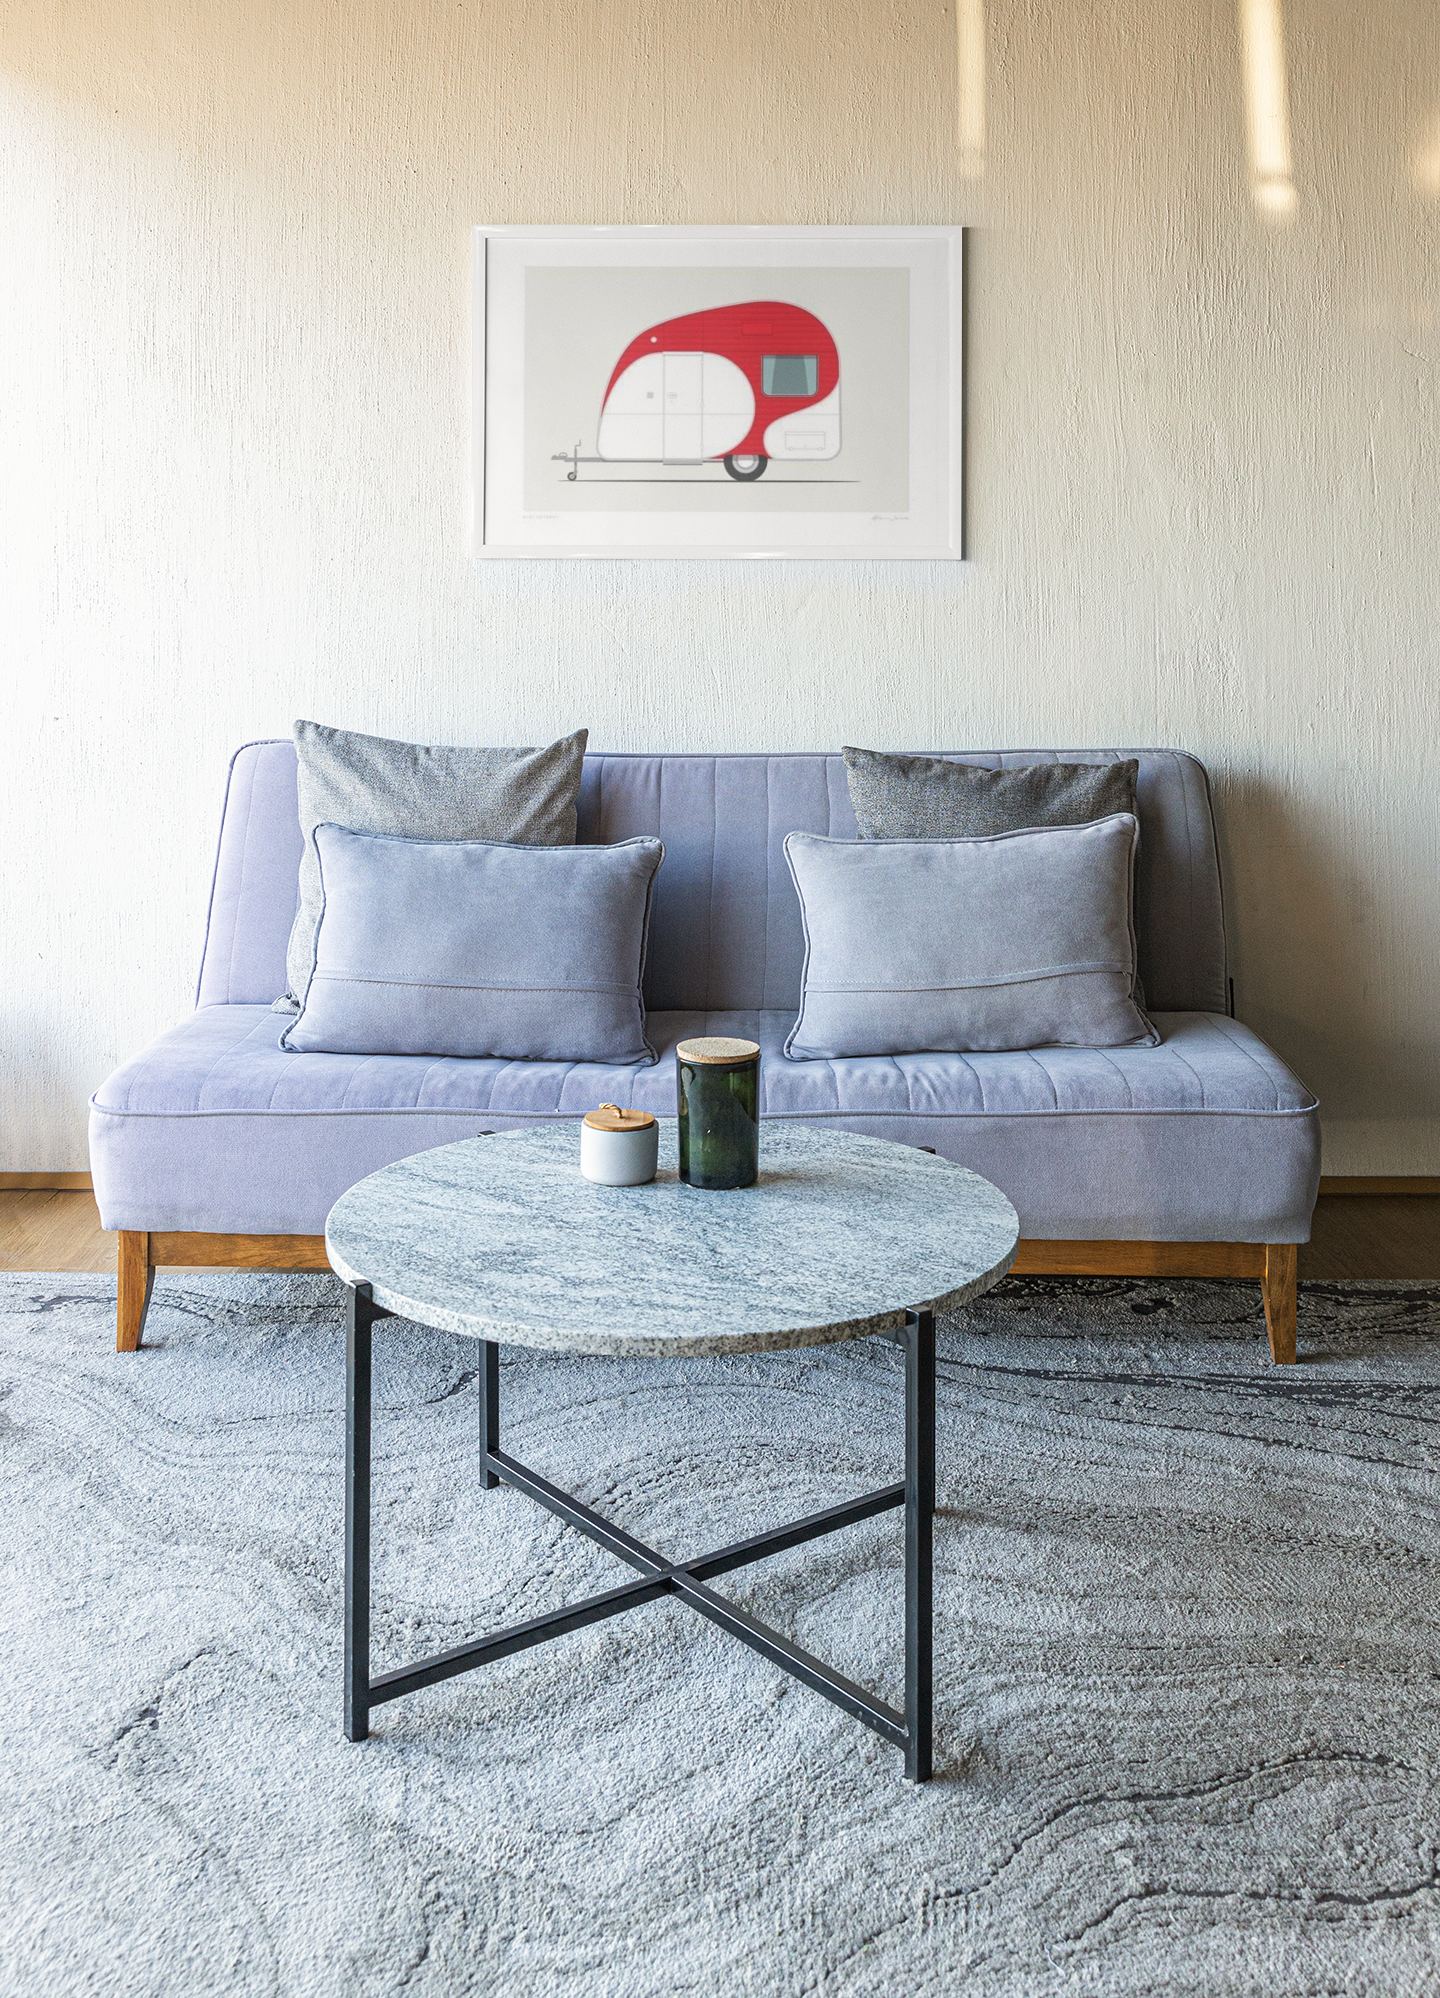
{"points": [[910, 1731]]}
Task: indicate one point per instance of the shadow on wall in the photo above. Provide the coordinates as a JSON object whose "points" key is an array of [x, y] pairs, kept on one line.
{"points": [[637, 110], [1301, 899]]}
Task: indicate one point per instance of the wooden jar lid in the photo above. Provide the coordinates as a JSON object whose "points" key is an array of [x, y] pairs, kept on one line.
{"points": [[717, 1051], [610, 1117]]}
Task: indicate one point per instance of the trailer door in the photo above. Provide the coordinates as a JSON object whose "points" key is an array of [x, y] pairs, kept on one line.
{"points": [[683, 409]]}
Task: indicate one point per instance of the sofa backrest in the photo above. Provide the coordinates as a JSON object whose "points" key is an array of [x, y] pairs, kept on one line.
{"points": [[725, 931]]}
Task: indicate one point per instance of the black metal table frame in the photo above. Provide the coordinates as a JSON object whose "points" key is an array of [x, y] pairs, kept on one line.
{"points": [[659, 1576]]}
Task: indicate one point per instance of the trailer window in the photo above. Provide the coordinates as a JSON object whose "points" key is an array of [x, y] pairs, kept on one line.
{"points": [[791, 374]]}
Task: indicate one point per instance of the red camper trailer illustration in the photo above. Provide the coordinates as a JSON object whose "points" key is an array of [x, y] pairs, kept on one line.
{"points": [[741, 383]]}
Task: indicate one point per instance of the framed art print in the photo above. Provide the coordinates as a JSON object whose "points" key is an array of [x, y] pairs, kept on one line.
{"points": [[718, 392]]}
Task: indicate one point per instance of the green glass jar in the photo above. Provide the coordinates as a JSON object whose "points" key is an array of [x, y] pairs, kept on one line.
{"points": [[717, 1083]]}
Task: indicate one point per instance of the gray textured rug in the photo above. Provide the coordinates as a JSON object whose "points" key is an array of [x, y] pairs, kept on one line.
{"points": [[1186, 1715]]}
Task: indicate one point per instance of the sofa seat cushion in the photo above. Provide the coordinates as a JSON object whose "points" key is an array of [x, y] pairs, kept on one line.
{"points": [[1207, 1137], [215, 1127]]}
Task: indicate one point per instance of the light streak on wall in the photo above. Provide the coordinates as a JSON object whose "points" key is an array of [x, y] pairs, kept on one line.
{"points": [[1267, 108], [1425, 161], [970, 50]]}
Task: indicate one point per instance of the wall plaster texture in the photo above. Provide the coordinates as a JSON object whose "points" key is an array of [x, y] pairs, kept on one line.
{"points": [[1204, 482]]}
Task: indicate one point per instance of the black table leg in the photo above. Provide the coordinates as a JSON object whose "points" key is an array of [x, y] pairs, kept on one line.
{"points": [[489, 1412], [910, 1731], [357, 1512], [919, 1513]]}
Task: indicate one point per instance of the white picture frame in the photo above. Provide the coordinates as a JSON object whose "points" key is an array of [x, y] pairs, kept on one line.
{"points": [[718, 393]]}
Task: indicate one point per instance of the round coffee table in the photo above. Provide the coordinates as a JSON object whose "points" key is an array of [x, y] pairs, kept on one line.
{"points": [[500, 1238]]}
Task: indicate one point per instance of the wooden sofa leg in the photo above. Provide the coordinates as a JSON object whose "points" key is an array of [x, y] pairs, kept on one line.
{"points": [[136, 1280], [1282, 1261]]}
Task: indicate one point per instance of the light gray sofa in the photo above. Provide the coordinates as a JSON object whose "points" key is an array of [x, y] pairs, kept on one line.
{"points": [[1199, 1157]]}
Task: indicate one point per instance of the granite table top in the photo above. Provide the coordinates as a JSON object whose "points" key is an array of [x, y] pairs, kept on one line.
{"points": [[501, 1238]]}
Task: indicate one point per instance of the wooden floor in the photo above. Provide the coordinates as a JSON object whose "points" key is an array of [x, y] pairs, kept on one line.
{"points": [[1353, 1235]]}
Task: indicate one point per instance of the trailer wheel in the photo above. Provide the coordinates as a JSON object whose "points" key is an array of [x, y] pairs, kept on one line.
{"points": [[747, 466]]}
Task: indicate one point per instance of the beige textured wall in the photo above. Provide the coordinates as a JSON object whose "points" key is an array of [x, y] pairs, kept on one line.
{"points": [[1203, 500]]}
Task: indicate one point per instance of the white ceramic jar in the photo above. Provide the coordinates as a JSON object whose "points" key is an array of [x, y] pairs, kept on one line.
{"points": [[619, 1147]]}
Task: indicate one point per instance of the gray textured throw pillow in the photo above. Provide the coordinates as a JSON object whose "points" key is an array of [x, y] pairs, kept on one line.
{"points": [[463, 947], [369, 784], [967, 945], [929, 797]]}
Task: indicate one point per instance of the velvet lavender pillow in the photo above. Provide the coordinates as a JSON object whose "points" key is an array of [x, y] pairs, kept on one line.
{"points": [[468, 948], [968, 945]]}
